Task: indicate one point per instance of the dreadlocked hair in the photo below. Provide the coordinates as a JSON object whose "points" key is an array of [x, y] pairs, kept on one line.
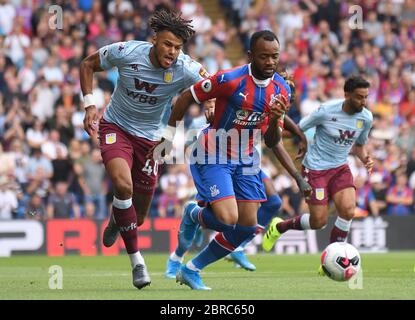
{"points": [[173, 22]]}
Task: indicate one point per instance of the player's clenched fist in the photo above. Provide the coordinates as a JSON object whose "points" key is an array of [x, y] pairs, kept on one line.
{"points": [[369, 164], [279, 106], [91, 120]]}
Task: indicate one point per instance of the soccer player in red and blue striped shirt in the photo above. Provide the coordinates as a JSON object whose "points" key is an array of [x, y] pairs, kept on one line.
{"points": [[224, 165]]}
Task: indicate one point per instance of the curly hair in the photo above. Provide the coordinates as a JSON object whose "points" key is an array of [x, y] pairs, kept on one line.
{"points": [[173, 22]]}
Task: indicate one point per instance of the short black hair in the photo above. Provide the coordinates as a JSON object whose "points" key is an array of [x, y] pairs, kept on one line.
{"points": [[264, 34], [173, 22], [355, 82]]}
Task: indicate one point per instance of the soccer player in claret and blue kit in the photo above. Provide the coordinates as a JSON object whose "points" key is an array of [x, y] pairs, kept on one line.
{"points": [[150, 75], [340, 125]]}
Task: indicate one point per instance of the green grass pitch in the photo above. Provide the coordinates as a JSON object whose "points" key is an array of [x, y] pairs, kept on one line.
{"points": [[385, 276]]}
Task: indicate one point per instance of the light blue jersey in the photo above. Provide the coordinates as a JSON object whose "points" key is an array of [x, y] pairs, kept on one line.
{"points": [[336, 132], [142, 99]]}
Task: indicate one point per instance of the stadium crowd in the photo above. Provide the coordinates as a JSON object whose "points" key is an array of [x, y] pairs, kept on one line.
{"points": [[50, 168]]}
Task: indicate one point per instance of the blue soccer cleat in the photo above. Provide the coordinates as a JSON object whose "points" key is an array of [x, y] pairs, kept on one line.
{"points": [[172, 268], [190, 278], [188, 228], [199, 237], [240, 259]]}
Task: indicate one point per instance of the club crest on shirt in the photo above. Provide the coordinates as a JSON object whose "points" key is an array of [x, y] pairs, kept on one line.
{"points": [[214, 191], [168, 76], [320, 193], [110, 138], [359, 123]]}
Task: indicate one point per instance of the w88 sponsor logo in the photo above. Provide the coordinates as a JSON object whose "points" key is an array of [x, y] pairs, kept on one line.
{"points": [[143, 98], [345, 138], [245, 117]]}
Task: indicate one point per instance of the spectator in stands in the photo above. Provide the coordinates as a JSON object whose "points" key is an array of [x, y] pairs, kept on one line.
{"points": [[400, 197], [96, 188], [52, 73], [36, 136], [62, 168], [201, 22], [50, 148], [42, 100], [27, 76], [118, 7], [8, 198], [7, 14], [16, 42], [61, 123], [217, 62], [21, 161], [168, 203], [35, 208], [62, 204], [365, 199], [14, 130]]}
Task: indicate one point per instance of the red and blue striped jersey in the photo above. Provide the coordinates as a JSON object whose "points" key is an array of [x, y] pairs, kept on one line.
{"points": [[241, 110]]}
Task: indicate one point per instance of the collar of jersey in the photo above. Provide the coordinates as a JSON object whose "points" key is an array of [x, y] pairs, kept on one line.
{"points": [[259, 83]]}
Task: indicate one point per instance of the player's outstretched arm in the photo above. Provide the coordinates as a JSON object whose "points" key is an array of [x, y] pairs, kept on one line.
{"points": [[291, 126], [362, 154], [286, 161], [88, 66], [273, 134], [165, 145], [210, 110], [180, 108]]}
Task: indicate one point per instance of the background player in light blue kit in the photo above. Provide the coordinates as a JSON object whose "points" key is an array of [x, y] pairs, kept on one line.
{"points": [[340, 124], [150, 75]]}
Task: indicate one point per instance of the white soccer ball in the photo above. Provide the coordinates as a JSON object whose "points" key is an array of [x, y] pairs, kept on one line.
{"points": [[340, 261]]}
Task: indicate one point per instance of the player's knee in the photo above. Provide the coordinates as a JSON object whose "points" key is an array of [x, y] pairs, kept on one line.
{"points": [[123, 187], [227, 218], [318, 223], [273, 202], [347, 212]]}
